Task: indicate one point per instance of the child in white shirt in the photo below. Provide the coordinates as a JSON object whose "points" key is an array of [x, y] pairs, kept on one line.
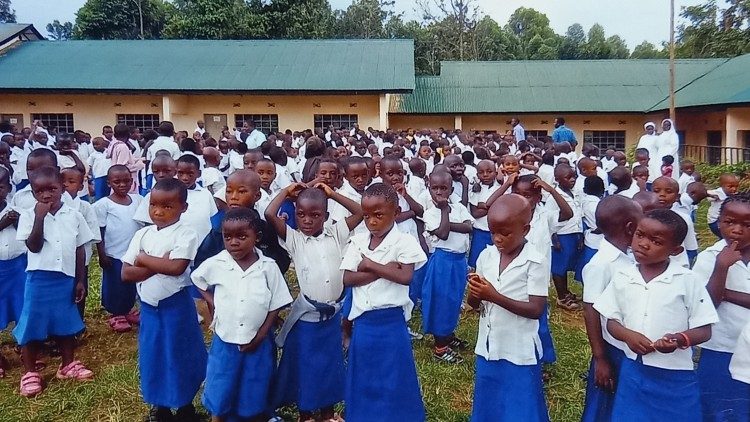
{"points": [[98, 165], [728, 185], [480, 193]]}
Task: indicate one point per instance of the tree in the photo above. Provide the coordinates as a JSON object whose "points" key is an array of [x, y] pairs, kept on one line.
{"points": [[714, 32], [120, 19], [646, 50], [426, 59], [7, 15], [617, 48], [492, 42], [535, 38], [215, 19], [571, 47], [60, 31], [453, 23], [364, 19], [299, 19], [596, 46]]}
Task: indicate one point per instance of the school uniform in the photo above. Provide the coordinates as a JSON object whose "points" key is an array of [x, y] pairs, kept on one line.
{"points": [[12, 273], [201, 207], [608, 164], [631, 191], [213, 180], [690, 244], [407, 226], [311, 371], [547, 174], [48, 306], [740, 364], [657, 386], [723, 398], [591, 240], [171, 353], [238, 383], [340, 213], [381, 380], [684, 180], [118, 298], [508, 384], [480, 235], [99, 165], [64, 161], [458, 190], [597, 275], [445, 278], [568, 235], [712, 215]]}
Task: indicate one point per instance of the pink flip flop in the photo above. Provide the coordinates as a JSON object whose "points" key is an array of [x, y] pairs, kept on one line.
{"points": [[31, 384]]}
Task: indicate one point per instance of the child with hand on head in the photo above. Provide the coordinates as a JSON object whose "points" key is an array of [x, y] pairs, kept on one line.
{"points": [[617, 218], [510, 289], [311, 371], [241, 361], [728, 185], [99, 165], [379, 265], [115, 215], [668, 195], [725, 268], [171, 353], [659, 309], [480, 193], [448, 225], [55, 235]]}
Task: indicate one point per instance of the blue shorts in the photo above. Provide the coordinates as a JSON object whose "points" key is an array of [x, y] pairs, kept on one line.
{"points": [[723, 398], [480, 239], [566, 258]]}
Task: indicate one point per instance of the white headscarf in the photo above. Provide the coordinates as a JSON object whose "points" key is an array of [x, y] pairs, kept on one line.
{"points": [[649, 143], [669, 144]]}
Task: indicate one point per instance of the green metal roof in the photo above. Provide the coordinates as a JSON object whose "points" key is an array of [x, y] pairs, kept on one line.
{"points": [[210, 66], [550, 86]]}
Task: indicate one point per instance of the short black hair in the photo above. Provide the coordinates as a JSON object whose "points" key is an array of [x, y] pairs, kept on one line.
{"points": [[166, 128], [46, 171], [384, 191], [150, 135], [741, 197], [468, 157], [673, 221], [44, 153], [190, 159], [188, 144], [314, 194], [5, 126], [353, 161], [122, 131], [548, 158], [246, 215], [173, 185], [642, 151], [278, 155], [593, 185], [561, 120], [118, 167], [668, 159]]}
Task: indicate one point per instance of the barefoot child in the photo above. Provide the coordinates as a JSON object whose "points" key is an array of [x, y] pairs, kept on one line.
{"points": [[55, 235], [659, 309], [510, 288], [311, 372], [241, 360], [115, 215], [381, 380], [171, 353]]}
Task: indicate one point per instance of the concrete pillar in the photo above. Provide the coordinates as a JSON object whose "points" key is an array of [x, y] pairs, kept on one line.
{"points": [[732, 128], [384, 106], [166, 109], [458, 122]]}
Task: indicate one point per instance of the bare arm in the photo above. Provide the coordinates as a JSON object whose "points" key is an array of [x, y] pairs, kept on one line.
{"points": [[566, 213], [393, 271], [738, 298], [444, 229], [353, 220], [464, 227], [133, 274], [414, 205], [36, 238], [166, 266], [358, 278]]}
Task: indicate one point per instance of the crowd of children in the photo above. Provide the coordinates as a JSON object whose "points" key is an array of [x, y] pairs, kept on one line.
{"points": [[375, 226]]}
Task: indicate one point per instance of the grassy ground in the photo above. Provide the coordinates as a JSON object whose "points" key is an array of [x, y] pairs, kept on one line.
{"points": [[114, 395]]}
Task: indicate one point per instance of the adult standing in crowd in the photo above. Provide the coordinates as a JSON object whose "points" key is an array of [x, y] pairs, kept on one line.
{"points": [[563, 133], [518, 131], [255, 137], [650, 142], [668, 143]]}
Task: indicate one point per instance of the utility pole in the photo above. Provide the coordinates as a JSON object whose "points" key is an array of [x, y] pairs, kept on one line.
{"points": [[671, 62], [140, 14]]}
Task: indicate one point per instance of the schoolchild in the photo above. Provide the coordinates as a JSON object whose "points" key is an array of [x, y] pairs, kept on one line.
{"points": [[593, 192], [480, 193], [567, 240], [99, 164], [667, 190], [728, 185]]}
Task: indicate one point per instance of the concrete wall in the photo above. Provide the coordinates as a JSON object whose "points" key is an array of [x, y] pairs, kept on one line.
{"points": [[419, 121]]}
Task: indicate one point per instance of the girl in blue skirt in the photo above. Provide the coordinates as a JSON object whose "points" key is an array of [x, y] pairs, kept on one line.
{"points": [[245, 291], [510, 289], [54, 234], [171, 352], [725, 266], [381, 379], [115, 214], [449, 226]]}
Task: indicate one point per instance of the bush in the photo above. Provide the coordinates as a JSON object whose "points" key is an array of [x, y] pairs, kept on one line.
{"points": [[710, 173]]}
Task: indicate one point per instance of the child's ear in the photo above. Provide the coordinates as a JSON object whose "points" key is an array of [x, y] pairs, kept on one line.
{"points": [[257, 196], [677, 250], [184, 207], [327, 216], [526, 229]]}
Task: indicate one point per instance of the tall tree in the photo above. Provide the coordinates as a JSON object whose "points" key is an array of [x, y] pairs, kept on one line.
{"points": [[60, 31], [120, 19], [617, 48], [426, 57], [453, 23], [571, 46], [7, 15], [596, 46], [215, 19], [535, 38], [492, 42], [364, 19], [711, 31], [299, 19], [646, 50]]}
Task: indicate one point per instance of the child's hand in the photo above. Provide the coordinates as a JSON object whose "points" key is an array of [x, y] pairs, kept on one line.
{"points": [[253, 345], [556, 243], [603, 374], [728, 256], [293, 190], [400, 189], [639, 343], [10, 218], [41, 209], [482, 206], [538, 182], [105, 261], [80, 292], [480, 288], [325, 188], [365, 264], [511, 179], [666, 345], [312, 183]]}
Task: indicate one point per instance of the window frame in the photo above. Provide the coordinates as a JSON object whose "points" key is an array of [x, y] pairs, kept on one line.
{"points": [[49, 121], [264, 122], [606, 139], [131, 120], [329, 119]]}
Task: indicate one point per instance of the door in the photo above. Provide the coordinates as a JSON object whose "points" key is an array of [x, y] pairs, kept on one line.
{"points": [[14, 119], [214, 124], [713, 141]]}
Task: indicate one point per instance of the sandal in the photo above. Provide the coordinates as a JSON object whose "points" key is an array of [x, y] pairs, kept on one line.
{"points": [[134, 317], [119, 324], [75, 370], [31, 384], [40, 365], [569, 304], [447, 355], [458, 344]]}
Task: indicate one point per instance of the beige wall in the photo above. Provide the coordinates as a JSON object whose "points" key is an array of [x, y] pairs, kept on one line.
{"points": [[696, 125], [420, 121]]}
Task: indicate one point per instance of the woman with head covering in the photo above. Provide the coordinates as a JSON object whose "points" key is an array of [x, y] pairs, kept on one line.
{"points": [[668, 143], [649, 141]]}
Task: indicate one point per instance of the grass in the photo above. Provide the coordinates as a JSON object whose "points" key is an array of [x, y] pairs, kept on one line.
{"points": [[114, 395]]}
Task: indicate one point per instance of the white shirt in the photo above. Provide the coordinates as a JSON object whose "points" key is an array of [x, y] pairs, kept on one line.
{"points": [[166, 143], [543, 222], [691, 241], [456, 242], [63, 233], [732, 318], [407, 226], [10, 247], [471, 173], [684, 180], [242, 299], [236, 162], [588, 210], [92, 221], [24, 199], [317, 261], [597, 275], [180, 241], [201, 207], [340, 213], [503, 334], [99, 164], [458, 190], [715, 204], [739, 366], [519, 133], [573, 225], [119, 223], [482, 196], [382, 293], [547, 174], [672, 302], [631, 191], [255, 139], [608, 164], [213, 180]]}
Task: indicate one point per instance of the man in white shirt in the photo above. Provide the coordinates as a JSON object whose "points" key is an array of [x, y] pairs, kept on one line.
{"points": [[518, 131], [201, 128], [255, 138]]}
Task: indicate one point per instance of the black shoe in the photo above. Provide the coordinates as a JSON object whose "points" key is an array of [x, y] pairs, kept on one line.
{"points": [[458, 344], [159, 414], [186, 414]]}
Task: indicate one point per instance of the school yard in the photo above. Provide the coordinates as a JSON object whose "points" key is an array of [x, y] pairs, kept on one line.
{"points": [[114, 394]]}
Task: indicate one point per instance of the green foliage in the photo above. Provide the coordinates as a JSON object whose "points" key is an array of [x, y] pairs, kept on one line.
{"points": [[60, 31], [365, 19], [7, 15], [710, 173], [120, 19], [300, 19], [646, 50], [215, 19], [714, 32]]}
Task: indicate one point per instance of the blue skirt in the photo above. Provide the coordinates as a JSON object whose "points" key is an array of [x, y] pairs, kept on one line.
{"points": [[443, 292], [415, 287], [346, 304], [12, 286], [565, 259], [237, 383], [311, 371], [507, 392], [480, 239], [584, 259], [545, 335], [118, 298], [171, 352], [381, 378], [101, 188], [49, 308], [723, 398], [650, 394], [598, 404]]}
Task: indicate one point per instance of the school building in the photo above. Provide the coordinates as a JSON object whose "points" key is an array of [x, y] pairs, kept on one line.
{"points": [[300, 84]]}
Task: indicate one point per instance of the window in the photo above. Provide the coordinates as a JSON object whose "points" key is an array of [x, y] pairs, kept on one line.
{"points": [[62, 121], [605, 139], [141, 121], [322, 121], [266, 123], [536, 133]]}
